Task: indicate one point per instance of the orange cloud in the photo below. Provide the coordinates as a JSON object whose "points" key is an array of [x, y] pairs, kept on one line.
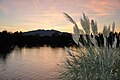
{"points": [[101, 7]]}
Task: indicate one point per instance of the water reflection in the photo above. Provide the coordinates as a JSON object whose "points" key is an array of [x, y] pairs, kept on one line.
{"points": [[5, 51], [32, 63]]}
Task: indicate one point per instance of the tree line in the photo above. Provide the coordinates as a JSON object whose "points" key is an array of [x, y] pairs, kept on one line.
{"points": [[9, 40]]}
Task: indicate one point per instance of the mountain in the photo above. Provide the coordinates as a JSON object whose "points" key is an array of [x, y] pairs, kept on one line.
{"points": [[42, 33]]}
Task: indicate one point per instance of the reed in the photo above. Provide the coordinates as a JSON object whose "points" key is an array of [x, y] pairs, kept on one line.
{"points": [[91, 62]]}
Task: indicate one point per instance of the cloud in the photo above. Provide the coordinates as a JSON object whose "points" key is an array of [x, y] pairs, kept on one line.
{"points": [[49, 12], [103, 7]]}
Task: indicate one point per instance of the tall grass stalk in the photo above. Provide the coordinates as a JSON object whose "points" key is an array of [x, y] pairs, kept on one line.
{"points": [[91, 62]]}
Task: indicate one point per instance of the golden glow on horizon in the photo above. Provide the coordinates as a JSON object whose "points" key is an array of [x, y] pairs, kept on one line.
{"points": [[63, 29]]}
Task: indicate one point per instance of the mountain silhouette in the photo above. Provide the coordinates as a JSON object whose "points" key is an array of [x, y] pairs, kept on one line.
{"points": [[42, 33]]}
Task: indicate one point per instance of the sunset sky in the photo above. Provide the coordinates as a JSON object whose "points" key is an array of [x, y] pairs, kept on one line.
{"points": [[26, 15]]}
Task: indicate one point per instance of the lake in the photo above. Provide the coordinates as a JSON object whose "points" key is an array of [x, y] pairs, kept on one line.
{"points": [[32, 63]]}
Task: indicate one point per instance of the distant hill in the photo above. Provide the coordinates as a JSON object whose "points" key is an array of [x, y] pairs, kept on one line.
{"points": [[42, 33], [35, 38]]}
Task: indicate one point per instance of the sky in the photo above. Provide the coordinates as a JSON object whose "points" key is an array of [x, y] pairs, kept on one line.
{"points": [[26, 15]]}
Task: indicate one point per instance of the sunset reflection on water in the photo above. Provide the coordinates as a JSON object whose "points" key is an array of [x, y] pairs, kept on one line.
{"points": [[32, 63]]}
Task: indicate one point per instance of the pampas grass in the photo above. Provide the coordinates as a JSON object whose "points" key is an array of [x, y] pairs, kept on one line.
{"points": [[91, 62]]}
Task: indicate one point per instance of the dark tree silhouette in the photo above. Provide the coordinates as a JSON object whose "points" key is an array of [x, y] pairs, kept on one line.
{"points": [[9, 40]]}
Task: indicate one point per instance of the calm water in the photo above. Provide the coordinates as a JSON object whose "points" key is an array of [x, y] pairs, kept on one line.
{"points": [[32, 64]]}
